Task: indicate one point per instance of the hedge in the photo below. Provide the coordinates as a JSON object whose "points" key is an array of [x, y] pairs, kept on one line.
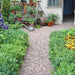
{"points": [[13, 46], [62, 58]]}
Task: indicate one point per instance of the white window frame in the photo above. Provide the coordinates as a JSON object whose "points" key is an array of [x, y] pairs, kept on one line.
{"points": [[55, 4]]}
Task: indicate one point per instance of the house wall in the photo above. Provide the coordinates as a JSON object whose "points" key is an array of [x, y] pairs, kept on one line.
{"points": [[56, 10]]}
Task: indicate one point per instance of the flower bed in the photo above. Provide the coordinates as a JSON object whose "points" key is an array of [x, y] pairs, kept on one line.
{"points": [[63, 58], [13, 46]]}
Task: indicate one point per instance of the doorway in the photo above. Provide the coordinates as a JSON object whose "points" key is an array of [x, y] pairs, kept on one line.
{"points": [[68, 11]]}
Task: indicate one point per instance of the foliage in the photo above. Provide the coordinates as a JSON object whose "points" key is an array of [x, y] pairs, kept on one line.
{"points": [[11, 18], [6, 9], [70, 39], [38, 26], [53, 16], [18, 8], [62, 58], [29, 19], [19, 15], [34, 1], [31, 10], [13, 8], [49, 20], [13, 46], [17, 25]]}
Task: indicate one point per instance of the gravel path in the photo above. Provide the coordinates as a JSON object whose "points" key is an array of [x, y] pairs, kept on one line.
{"points": [[36, 61]]}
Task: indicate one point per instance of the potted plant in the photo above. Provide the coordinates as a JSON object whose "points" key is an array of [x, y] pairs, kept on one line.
{"points": [[49, 22], [30, 10], [31, 21], [18, 8], [13, 8], [25, 9], [54, 17], [34, 3], [19, 16]]}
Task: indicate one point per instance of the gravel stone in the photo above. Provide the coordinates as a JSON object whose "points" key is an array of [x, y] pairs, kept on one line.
{"points": [[36, 61]]}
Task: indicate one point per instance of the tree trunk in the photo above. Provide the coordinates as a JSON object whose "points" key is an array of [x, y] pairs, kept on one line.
{"points": [[1, 5]]}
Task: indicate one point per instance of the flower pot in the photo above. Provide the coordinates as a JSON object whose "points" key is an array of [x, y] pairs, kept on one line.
{"points": [[14, 2], [19, 19], [31, 3], [34, 4], [53, 21], [13, 11], [40, 13], [49, 24], [25, 11]]}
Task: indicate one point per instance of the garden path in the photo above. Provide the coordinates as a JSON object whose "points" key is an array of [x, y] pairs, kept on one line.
{"points": [[36, 61]]}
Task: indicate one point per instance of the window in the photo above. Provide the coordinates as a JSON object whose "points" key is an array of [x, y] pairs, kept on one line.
{"points": [[54, 2]]}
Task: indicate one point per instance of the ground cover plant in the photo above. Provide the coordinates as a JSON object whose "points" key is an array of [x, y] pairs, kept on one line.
{"points": [[62, 57], [13, 46]]}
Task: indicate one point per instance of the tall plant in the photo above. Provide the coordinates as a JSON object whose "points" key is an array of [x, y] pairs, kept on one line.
{"points": [[6, 9]]}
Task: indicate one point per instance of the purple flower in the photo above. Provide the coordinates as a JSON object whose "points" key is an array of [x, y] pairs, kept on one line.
{"points": [[2, 25], [23, 19]]}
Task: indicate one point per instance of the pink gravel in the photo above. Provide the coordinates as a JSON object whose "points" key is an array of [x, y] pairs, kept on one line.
{"points": [[36, 61]]}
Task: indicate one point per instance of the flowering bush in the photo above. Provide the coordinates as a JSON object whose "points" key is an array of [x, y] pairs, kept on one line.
{"points": [[2, 25], [70, 42], [62, 58]]}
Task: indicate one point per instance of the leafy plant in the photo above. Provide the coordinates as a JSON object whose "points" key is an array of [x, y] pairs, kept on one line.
{"points": [[13, 8], [38, 26], [11, 18], [53, 16], [18, 8], [17, 25], [62, 58], [6, 9], [31, 10], [13, 51], [34, 1], [19, 15], [70, 39], [49, 20]]}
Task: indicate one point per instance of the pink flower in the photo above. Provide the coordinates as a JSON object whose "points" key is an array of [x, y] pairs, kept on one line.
{"points": [[23, 19], [23, 16], [26, 16], [25, 22]]}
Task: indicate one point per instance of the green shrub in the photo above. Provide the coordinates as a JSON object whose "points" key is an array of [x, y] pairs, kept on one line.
{"points": [[17, 25], [6, 9], [13, 46], [62, 58], [38, 26], [11, 18]]}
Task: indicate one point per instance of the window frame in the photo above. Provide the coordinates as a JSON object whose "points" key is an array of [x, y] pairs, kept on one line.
{"points": [[54, 5]]}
